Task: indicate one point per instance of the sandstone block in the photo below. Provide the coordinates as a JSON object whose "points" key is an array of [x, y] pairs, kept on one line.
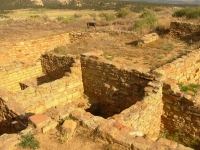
{"points": [[69, 127], [77, 114], [49, 126], [38, 121]]}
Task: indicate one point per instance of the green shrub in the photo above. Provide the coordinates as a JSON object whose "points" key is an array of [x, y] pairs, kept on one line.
{"points": [[29, 141], [189, 13], [148, 20], [147, 13], [123, 12], [180, 137], [34, 16], [139, 25], [66, 20], [107, 16], [190, 87]]}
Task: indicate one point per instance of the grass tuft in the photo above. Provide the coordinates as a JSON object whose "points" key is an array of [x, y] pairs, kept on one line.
{"points": [[190, 87], [29, 141]]}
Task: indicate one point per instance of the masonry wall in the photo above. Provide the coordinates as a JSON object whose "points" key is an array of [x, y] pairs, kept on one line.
{"points": [[56, 66], [31, 50], [116, 87], [11, 75], [181, 29], [135, 98], [181, 113], [184, 69], [62, 91]]}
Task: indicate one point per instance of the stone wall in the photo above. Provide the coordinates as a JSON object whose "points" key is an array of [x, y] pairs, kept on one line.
{"points": [[38, 99], [184, 69], [135, 98], [148, 38], [181, 29], [11, 115], [106, 82], [30, 50], [11, 75], [56, 66], [181, 113]]}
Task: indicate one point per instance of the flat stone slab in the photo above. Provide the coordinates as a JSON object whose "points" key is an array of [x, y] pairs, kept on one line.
{"points": [[33, 82], [38, 121]]}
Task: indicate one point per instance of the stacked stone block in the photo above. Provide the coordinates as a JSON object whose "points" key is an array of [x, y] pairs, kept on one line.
{"points": [[181, 113], [56, 66], [28, 51], [180, 29], [184, 69], [132, 98], [11, 75], [148, 38]]}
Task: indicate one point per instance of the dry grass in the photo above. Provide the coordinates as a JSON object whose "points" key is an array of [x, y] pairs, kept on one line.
{"points": [[27, 24], [122, 49], [118, 48]]}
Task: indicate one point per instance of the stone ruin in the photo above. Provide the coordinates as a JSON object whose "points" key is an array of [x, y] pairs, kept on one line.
{"points": [[148, 39], [127, 106]]}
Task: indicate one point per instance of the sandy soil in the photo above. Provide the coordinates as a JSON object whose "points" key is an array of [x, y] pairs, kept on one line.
{"points": [[53, 140]]}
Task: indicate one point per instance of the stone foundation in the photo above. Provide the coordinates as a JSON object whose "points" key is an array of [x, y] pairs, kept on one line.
{"points": [[126, 105], [115, 91]]}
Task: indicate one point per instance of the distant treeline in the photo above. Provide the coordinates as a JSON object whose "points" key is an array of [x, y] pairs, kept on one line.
{"points": [[84, 4], [15, 4]]}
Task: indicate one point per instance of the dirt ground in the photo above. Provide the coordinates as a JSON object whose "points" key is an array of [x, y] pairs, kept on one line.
{"points": [[122, 49], [53, 140], [28, 24]]}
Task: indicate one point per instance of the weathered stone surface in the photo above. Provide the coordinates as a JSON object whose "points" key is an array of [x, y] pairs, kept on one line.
{"points": [[69, 127], [49, 126], [148, 38], [77, 114]]}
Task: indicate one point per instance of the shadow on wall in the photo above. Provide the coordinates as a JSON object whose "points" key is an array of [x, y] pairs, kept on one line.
{"points": [[105, 109], [44, 79], [10, 122], [191, 38]]}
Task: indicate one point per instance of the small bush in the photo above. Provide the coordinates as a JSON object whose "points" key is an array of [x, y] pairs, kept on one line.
{"points": [[29, 141], [123, 12], [190, 87], [107, 16], [148, 20], [66, 20], [139, 25], [189, 13], [34, 16], [147, 13], [93, 15], [168, 47], [77, 15], [180, 137]]}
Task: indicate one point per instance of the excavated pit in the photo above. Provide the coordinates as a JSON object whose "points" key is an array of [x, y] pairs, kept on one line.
{"points": [[111, 89]]}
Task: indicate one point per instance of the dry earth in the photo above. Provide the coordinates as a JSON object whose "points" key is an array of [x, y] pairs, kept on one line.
{"points": [[81, 141], [123, 49]]}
